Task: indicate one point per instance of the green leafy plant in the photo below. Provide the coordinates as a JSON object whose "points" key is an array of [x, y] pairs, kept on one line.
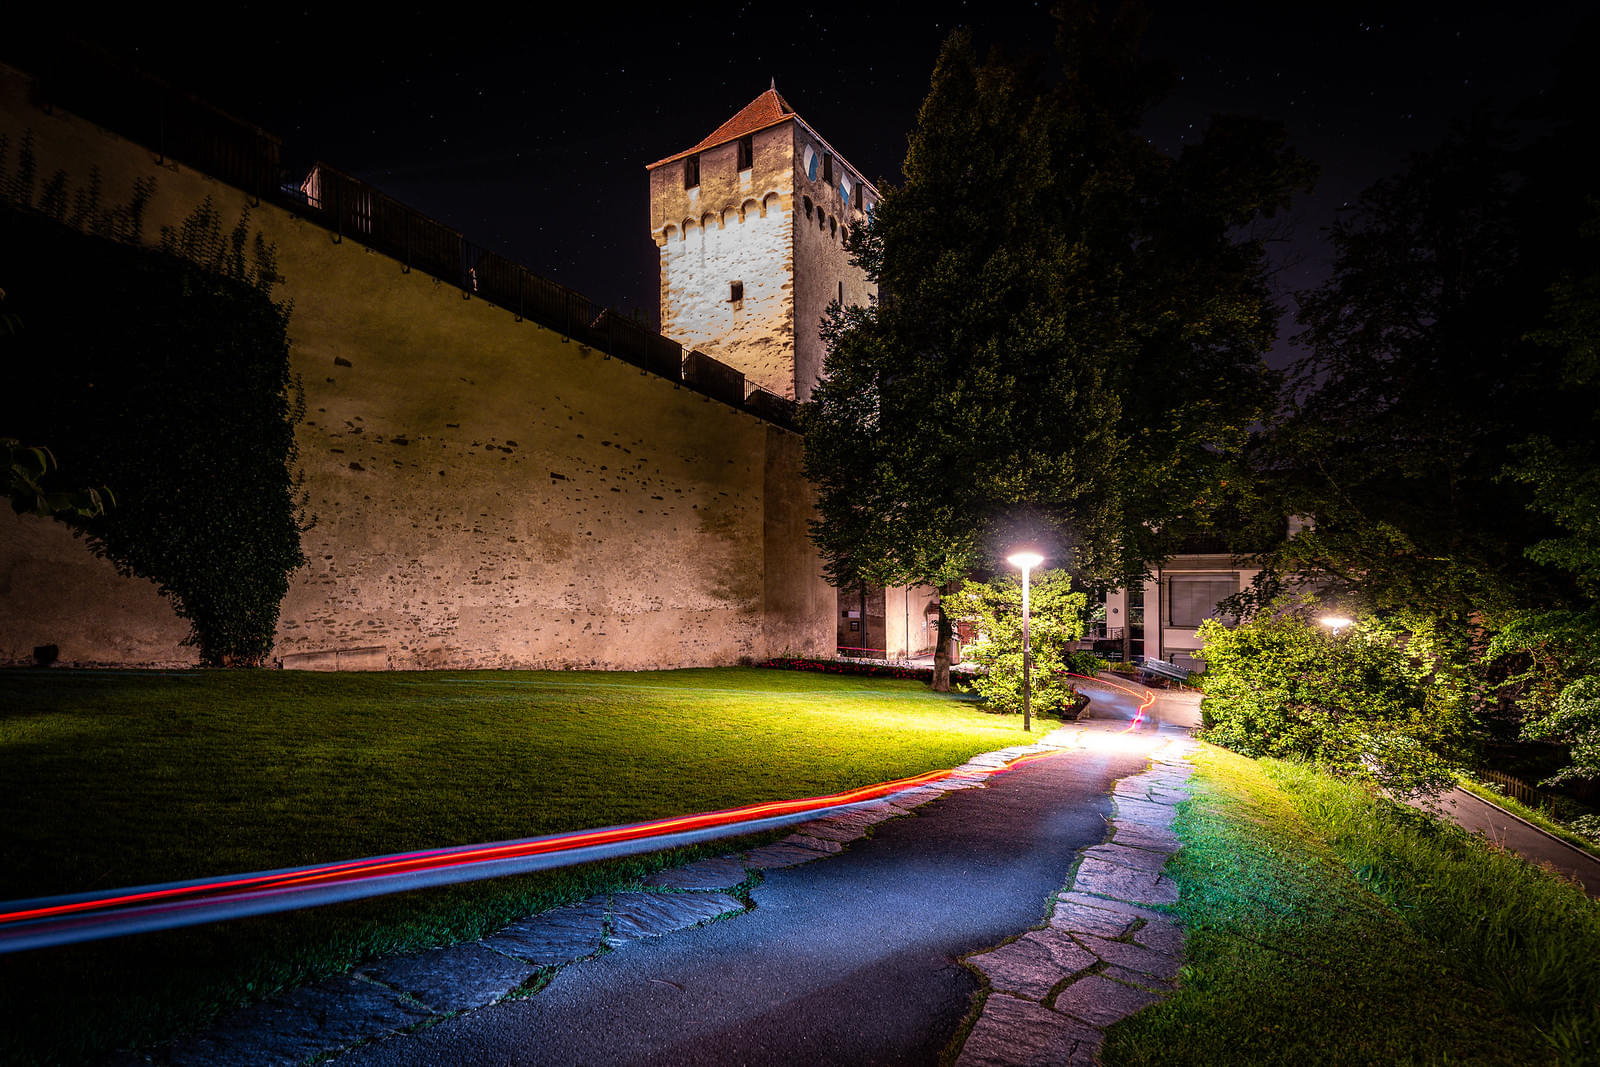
{"points": [[1371, 702], [176, 393], [1055, 618]]}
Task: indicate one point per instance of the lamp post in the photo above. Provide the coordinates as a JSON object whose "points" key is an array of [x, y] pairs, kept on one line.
{"points": [[1027, 561]]}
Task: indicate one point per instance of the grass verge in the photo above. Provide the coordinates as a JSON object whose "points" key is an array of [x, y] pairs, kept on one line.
{"points": [[116, 779], [1327, 929]]}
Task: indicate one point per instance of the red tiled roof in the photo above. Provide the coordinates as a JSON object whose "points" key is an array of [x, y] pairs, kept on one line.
{"points": [[768, 109]]}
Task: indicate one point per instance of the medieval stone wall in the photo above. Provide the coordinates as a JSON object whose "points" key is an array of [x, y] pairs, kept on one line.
{"points": [[486, 493]]}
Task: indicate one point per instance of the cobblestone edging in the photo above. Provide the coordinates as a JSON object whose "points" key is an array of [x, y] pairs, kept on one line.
{"points": [[391, 996], [1106, 952]]}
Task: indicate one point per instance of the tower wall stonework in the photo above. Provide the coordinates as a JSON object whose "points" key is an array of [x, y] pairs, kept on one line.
{"points": [[735, 226], [485, 493], [823, 271]]}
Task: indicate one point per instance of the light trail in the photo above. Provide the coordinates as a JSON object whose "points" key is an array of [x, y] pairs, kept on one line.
{"points": [[1147, 698], [61, 920]]}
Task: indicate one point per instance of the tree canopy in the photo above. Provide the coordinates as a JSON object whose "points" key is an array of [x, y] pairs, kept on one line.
{"points": [[1067, 345]]}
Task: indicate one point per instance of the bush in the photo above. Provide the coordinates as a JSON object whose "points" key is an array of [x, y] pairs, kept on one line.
{"points": [[1055, 618], [1079, 662], [1370, 703]]}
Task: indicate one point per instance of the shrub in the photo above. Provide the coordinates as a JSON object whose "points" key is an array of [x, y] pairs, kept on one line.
{"points": [[1055, 618], [1370, 703]]}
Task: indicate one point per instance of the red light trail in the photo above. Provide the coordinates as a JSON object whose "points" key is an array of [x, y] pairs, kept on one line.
{"points": [[62, 920]]}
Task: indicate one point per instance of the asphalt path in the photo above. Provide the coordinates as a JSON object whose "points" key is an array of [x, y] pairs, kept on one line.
{"points": [[851, 959], [1525, 839]]}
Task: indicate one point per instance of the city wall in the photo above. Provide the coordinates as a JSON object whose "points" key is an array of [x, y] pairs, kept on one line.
{"points": [[486, 493]]}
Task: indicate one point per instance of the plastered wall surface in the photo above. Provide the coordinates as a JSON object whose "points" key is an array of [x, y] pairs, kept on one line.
{"points": [[485, 495]]}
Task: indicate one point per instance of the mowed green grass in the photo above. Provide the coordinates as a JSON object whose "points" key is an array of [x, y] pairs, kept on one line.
{"points": [[117, 779], [1327, 928]]}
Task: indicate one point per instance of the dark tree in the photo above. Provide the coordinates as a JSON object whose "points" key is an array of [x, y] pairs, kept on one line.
{"points": [[1068, 345]]}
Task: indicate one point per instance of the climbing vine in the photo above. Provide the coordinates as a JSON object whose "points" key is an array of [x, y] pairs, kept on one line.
{"points": [[163, 375]]}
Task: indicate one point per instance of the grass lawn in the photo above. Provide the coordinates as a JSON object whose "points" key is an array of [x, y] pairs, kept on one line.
{"points": [[119, 778], [1325, 928]]}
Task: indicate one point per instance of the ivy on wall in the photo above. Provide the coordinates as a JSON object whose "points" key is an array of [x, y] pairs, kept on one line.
{"points": [[163, 375]]}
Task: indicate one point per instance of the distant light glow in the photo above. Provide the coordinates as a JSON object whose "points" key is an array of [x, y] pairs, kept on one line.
{"points": [[1335, 622]]}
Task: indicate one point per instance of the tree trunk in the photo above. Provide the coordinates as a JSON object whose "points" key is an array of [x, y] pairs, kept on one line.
{"points": [[941, 651]]}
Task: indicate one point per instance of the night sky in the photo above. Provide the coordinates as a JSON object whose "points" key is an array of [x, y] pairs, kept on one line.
{"points": [[531, 136]]}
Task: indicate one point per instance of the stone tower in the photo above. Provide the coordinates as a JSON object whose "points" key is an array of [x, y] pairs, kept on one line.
{"points": [[750, 224]]}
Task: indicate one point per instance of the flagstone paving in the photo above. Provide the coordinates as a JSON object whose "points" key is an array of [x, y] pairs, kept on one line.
{"points": [[1103, 954]]}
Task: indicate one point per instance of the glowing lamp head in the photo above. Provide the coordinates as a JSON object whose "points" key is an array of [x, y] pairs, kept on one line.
{"points": [[1335, 622], [1025, 560]]}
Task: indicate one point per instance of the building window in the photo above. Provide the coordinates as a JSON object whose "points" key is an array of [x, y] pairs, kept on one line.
{"points": [[806, 200], [827, 168], [736, 292], [1192, 598], [747, 152], [691, 172], [833, 226], [841, 292]]}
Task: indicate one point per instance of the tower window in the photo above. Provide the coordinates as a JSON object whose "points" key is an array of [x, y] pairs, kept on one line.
{"points": [[806, 200], [841, 292], [827, 168], [735, 292], [691, 172], [833, 226], [747, 152]]}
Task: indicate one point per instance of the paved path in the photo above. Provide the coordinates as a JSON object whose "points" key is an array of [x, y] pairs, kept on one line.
{"points": [[1526, 840], [853, 959], [850, 950]]}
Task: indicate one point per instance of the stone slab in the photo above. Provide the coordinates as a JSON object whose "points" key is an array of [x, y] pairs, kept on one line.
{"points": [[1143, 859], [1100, 1002], [306, 1022], [646, 914], [1119, 907], [1143, 981], [1124, 883], [1134, 957], [1137, 836], [815, 844], [1019, 1033], [1142, 812], [832, 830], [1162, 935], [560, 935], [719, 872], [780, 855], [457, 978], [1079, 919], [1034, 963]]}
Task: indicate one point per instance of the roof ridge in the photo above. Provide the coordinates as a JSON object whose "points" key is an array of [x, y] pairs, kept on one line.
{"points": [[767, 109]]}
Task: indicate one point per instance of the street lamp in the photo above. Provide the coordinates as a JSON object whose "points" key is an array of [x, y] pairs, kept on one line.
{"points": [[1335, 623], [1027, 561]]}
